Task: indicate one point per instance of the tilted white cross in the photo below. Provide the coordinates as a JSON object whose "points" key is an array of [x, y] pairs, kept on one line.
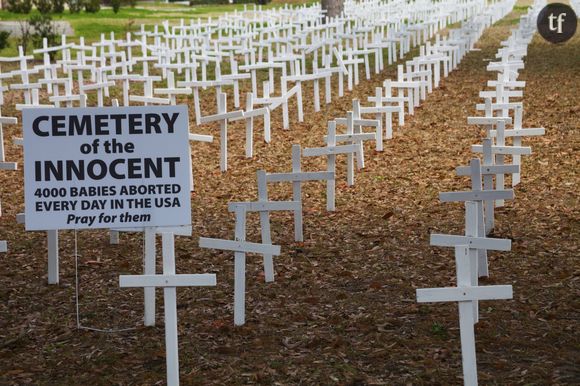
{"points": [[240, 247], [263, 206]]}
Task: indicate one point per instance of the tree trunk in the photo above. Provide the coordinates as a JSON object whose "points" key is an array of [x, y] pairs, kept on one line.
{"points": [[333, 8]]}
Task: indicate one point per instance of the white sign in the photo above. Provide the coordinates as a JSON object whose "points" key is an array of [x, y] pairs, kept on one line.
{"points": [[106, 167]]}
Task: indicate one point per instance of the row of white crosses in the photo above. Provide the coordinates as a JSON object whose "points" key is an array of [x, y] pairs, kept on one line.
{"points": [[272, 103], [354, 138], [240, 246], [169, 54], [353, 148], [418, 77], [108, 53], [112, 60], [4, 164], [264, 206], [500, 110], [351, 145], [104, 75], [471, 248]]}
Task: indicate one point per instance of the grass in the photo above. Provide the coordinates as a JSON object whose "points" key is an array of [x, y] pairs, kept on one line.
{"points": [[92, 25]]}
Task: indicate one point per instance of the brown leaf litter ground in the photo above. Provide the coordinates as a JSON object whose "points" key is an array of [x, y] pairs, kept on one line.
{"points": [[342, 309]]}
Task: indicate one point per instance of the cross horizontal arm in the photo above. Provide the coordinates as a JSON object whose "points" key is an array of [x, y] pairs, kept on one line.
{"points": [[221, 117], [200, 137], [27, 86], [513, 150], [463, 294], [253, 113], [487, 120], [64, 98], [472, 242], [513, 83], [495, 169], [266, 206], [239, 246], [506, 93], [531, 132], [357, 122], [387, 99], [96, 86], [183, 230], [499, 106], [207, 83], [145, 99], [23, 106], [8, 121], [172, 91], [482, 195], [300, 176], [8, 166], [354, 137], [195, 280], [318, 151]]}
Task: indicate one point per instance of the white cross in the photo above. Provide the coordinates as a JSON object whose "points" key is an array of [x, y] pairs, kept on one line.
{"points": [[125, 77], [169, 281], [422, 77], [275, 102], [355, 136], [487, 171], [264, 207], [399, 109], [517, 133], [100, 85], [222, 117], [148, 80], [499, 151], [240, 247], [465, 294], [330, 151], [410, 88], [171, 91]]}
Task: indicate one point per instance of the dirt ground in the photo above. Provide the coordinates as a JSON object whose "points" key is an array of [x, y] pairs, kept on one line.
{"points": [[342, 309]]}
